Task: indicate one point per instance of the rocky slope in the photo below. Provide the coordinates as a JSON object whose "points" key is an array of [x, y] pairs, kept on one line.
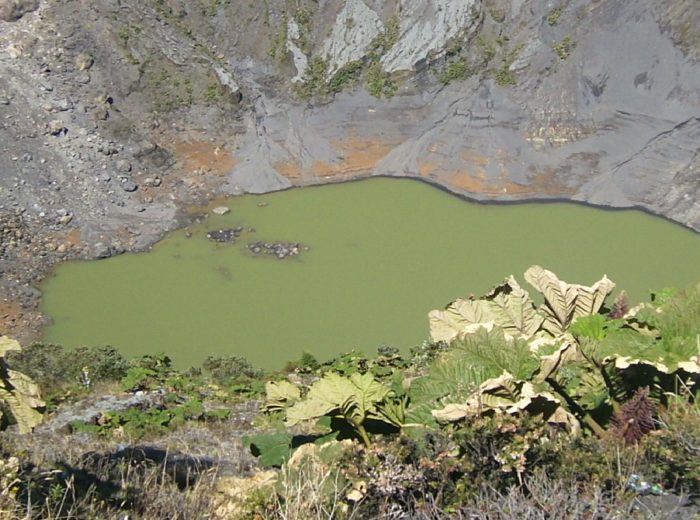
{"points": [[114, 114]]}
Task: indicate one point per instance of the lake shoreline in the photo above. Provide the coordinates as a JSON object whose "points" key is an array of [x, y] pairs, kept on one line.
{"points": [[406, 230], [29, 325]]}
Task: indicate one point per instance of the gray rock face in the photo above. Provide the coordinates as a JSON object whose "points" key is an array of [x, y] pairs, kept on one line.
{"points": [[355, 27], [227, 81], [13, 10], [580, 127], [301, 60], [426, 26]]}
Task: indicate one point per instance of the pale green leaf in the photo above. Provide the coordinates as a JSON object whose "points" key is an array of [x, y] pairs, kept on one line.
{"points": [[511, 396], [273, 449], [27, 388], [493, 353], [26, 416], [453, 413], [550, 364], [353, 397], [507, 306], [368, 393], [565, 302], [459, 316], [280, 394], [513, 309], [8, 345], [308, 409], [18, 392]]}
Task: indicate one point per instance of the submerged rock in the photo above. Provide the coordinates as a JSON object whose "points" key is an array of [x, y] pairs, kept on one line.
{"points": [[281, 250], [225, 235]]}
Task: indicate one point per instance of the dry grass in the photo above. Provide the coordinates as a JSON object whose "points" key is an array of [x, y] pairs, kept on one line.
{"points": [[150, 493], [311, 490], [65, 476]]}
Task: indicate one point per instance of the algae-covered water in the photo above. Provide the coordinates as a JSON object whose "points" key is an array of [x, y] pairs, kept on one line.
{"points": [[383, 252]]}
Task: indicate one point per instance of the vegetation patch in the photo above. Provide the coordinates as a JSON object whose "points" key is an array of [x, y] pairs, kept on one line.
{"points": [[385, 40], [379, 82], [554, 15], [278, 51], [504, 76], [498, 15], [455, 71], [346, 75], [314, 81], [564, 47], [568, 409]]}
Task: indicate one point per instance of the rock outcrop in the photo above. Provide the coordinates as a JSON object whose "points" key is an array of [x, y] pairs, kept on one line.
{"points": [[13, 10]]}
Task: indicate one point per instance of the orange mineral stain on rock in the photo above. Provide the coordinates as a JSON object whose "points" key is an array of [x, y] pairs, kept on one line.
{"points": [[19, 323], [205, 156], [428, 169], [475, 159], [10, 316], [73, 237], [291, 169], [472, 176], [357, 157], [540, 183], [471, 171]]}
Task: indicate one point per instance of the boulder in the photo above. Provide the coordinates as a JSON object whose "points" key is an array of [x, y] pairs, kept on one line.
{"points": [[84, 61], [226, 80], [221, 210], [13, 10]]}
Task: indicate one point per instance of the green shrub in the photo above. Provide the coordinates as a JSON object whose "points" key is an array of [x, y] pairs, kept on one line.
{"points": [[225, 370], [386, 39], [554, 15], [499, 451], [455, 71], [147, 373], [314, 81], [306, 364], [504, 76], [213, 93], [564, 47], [486, 52], [278, 51], [379, 82], [58, 370], [347, 74], [138, 423], [670, 454]]}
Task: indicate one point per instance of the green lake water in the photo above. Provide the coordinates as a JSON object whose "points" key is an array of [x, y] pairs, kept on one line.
{"points": [[383, 252]]}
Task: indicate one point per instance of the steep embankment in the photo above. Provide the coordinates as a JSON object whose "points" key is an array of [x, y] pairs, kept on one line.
{"points": [[115, 113]]}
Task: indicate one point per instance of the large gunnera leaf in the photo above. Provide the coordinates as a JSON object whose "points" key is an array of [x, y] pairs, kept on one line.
{"points": [[564, 302], [507, 305], [513, 309], [511, 396], [273, 449], [280, 394], [460, 316], [493, 352], [369, 392], [353, 397], [19, 393]]}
